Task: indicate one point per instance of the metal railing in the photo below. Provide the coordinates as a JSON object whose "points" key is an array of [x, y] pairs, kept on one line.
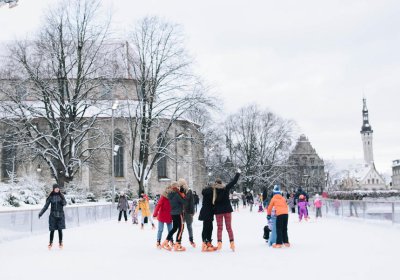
{"points": [[359, 209], [21, 223]]}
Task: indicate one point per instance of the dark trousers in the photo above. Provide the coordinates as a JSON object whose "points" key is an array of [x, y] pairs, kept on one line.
{"points": [[293, 210], [179, 226], [120, 216], [207, 231], [281, 229], [60, 236]]}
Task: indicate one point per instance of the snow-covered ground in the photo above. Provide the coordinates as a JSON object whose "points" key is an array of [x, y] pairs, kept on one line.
{"points": [[324, 249]]}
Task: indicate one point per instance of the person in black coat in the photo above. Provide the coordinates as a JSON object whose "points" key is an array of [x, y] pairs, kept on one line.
{"points": [[223, 208], [196, 201], [207, 216], [56, 218]]}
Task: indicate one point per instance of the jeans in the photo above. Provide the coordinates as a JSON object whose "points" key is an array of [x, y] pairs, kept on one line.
{"points": [[272, 235], [161, 229], [189, 223]]}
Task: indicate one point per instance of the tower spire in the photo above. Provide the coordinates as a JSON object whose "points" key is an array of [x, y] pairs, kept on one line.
{"points": [[366, 136], [366, 127]]}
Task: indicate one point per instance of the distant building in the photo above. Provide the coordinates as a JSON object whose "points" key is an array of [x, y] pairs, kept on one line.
{"points": [[368, 178], [396, 174], [307, 169]]}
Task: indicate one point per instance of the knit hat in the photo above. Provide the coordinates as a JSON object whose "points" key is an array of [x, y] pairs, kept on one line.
{"points": [[277, 189], [55, 186], [317, 195]]}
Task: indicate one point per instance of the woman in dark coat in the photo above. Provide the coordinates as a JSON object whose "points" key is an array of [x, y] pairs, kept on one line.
{"points": [[207, 216], [223, 208], [56, 218]]}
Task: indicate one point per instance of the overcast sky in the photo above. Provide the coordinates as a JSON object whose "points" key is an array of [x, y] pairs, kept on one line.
{"points": [[310, 61]]}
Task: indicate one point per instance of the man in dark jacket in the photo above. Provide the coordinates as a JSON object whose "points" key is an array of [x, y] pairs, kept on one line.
{"points": [[56, 218], [196, 201], [223, 208]]}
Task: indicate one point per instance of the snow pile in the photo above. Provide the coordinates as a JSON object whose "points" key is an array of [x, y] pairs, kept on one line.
{"points": [[27, 191]]}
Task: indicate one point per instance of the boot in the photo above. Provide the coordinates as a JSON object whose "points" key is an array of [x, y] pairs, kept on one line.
{"points": [[165, 245], [287, 245], [179, 248], [211, 247], [277, 246], [232, 246], [219, 245], [192, 243], [61, 245], [158, 245], [142, 226], [50, 246], [204, 247]]}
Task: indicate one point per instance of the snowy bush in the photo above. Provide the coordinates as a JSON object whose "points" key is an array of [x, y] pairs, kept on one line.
{"points": [[75, 194]]}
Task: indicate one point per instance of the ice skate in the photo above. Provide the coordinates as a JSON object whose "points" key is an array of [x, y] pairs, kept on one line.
{"points": [[277, 246], [232, 246], [179, 248], [193, 244], [165, 245], [214, 248], [158, 245], [50, 246], [219, 245], [207, 247], [61, 245], [287, 245]]}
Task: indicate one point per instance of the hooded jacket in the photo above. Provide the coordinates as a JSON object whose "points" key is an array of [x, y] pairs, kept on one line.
{"points": [[189, 206], [163, 210], [144, 206], [279, 202], [207, 208], [221, 200], [177, 201]]}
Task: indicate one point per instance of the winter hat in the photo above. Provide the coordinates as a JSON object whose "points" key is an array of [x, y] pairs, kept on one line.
{"points": [[182, 183], [277, 189], [55, 186], [317, 195]]}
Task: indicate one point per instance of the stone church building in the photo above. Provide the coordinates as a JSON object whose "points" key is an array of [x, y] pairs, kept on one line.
{"points": [[306, 168], [190, 163]]}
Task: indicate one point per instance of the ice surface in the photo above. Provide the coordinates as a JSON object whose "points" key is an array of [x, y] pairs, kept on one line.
{"points": [[323, 249]]}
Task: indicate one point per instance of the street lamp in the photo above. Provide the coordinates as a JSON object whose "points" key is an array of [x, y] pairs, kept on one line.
{"points": [[11, 3], [177, 136], [113, 108]]}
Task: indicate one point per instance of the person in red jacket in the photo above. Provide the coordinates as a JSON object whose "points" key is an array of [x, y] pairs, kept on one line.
{"points": [[281, 208], [162, 212]]}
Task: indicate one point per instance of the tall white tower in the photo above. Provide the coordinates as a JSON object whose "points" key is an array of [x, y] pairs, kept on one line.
{"points": [[366, 136]]}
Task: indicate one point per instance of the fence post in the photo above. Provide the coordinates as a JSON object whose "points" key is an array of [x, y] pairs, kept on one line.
{"points": [[341, 204], [393, 218], [31, 221], [79, 222], [364, 209]]}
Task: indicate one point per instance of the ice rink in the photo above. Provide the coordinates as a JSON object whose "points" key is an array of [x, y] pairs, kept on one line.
{"points": [[323, 249]]}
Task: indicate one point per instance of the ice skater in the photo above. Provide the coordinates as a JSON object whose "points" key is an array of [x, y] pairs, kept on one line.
{"points": [[207, 217], [302, 208], [282, 217], [223, 208], [318, 206], [56, 218], [162, 212]]}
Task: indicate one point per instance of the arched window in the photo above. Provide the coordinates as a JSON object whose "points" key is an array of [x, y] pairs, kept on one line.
{"points": [[162, 163], [118, 154]]}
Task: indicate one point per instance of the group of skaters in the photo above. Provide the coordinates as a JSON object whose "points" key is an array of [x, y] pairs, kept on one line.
{"points": [[177, 206]]}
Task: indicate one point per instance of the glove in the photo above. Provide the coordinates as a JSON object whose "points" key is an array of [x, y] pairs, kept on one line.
{"points": [[239, 171], [268, 217], [39, 216]]}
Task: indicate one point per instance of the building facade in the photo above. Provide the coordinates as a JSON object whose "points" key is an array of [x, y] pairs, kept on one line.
{"points": [[306, 168], [396, 174], [186, 158]]}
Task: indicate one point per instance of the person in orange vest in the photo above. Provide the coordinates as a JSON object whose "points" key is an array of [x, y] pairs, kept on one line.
{"points": [[281, 208]]}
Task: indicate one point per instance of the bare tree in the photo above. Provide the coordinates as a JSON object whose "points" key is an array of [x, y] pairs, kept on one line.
{"points": [[166, 92], [258, 142], [53, 102]]}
